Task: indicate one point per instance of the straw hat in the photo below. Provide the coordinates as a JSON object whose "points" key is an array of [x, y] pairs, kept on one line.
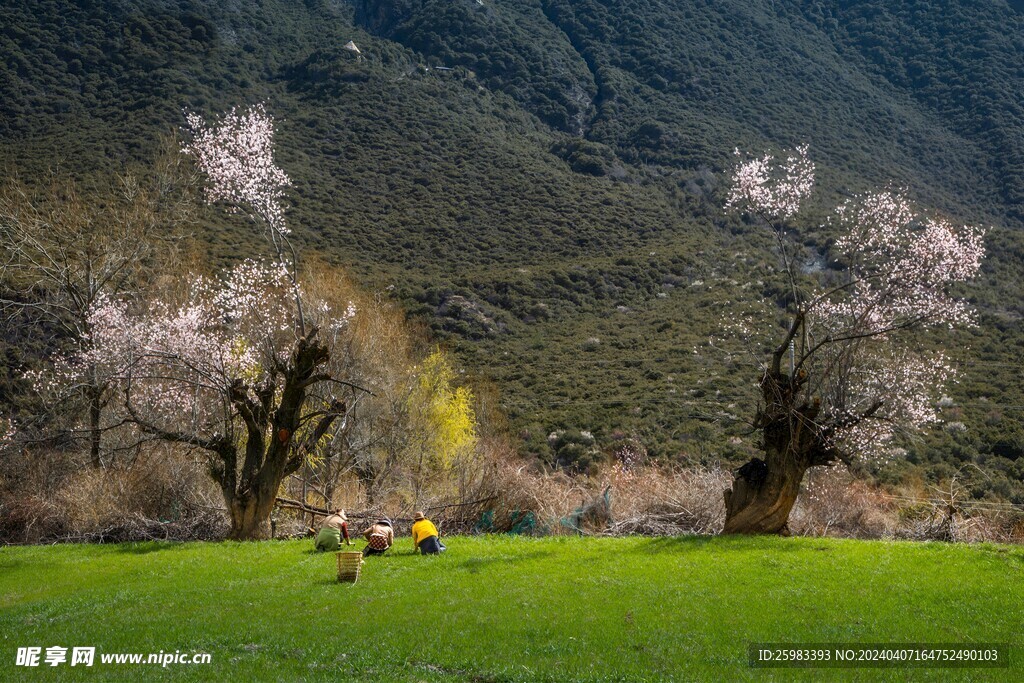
{"points": [[418, 516]]}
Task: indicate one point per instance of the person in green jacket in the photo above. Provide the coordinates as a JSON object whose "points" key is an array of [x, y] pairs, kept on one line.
{"points": [[425, 537], [332, 530]]}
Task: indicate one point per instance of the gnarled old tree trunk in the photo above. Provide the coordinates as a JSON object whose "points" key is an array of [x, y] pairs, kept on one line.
{"points": [[793, 440], [250, 508], [277, 442], [250, 518], [279, 437], [763, 494]]}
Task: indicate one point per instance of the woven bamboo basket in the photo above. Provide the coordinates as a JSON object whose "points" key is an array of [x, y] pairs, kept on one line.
{"points": [[349, 564]]}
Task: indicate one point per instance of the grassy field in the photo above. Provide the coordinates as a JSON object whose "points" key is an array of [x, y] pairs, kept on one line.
{"points": [[506, 609]]}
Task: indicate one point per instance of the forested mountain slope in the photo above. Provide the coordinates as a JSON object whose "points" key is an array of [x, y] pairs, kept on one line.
{"points": [[541, 180]]}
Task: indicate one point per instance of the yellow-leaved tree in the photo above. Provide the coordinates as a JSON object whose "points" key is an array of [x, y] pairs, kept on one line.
{"points": [[442, 424]]}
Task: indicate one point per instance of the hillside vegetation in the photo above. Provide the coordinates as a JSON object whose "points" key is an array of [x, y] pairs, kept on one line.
{"points": [[541, 181]]}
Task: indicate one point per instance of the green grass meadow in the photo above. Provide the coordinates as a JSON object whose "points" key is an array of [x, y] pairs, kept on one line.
{"points": [[506, 608]]}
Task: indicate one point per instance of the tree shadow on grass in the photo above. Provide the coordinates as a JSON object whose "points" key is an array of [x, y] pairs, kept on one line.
{"points": [[681, 544], [475, 564], [147, 547], [10, 563], [333, 581]]}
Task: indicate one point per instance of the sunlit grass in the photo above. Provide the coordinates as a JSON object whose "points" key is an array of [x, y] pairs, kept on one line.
{"points": [[506, 609]]}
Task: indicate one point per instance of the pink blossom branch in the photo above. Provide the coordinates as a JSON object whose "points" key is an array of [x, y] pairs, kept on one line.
{"points": [[237, 155]]}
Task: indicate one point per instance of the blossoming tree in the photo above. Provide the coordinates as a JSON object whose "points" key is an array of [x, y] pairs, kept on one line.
{"points": [[239, 365], [228, 370], [60, 253], [855, 379]]}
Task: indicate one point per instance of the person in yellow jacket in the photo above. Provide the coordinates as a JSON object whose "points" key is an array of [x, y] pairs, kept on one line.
{"points": [[424, 536]]}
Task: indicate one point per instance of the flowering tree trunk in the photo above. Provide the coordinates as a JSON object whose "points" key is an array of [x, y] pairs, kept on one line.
{"points": [[764, 490], [853, 384], [795, 437], [763, 494], [94, 395], [277, 438], [273, 451], [236, 366]]}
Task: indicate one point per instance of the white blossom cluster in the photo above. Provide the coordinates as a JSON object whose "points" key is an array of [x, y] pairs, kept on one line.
{"points": [[90, 364], [901, 267], [774, 190], [629, 455], [7, 432], [331, 321], [171, 358], [904, 384], [237, 155], [250, 294], [181, 360]]}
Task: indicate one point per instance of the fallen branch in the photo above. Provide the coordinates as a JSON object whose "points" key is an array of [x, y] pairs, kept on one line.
{"points": [[366, 515], [297, 505], [459, 505], [290, 504]]}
